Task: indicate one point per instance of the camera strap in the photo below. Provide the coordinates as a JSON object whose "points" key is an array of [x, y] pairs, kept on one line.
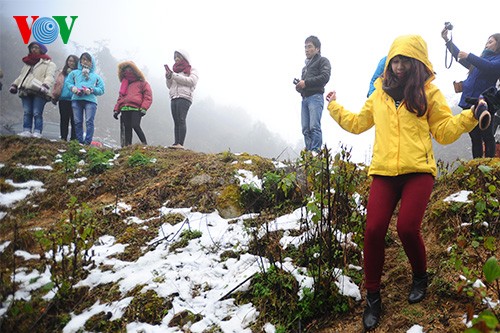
{"points": [[446, 54]]}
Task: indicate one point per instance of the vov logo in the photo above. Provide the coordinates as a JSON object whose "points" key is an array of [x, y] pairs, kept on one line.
{"points": [[45, 29]]}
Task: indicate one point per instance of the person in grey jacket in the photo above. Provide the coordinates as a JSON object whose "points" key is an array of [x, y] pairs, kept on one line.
{"points": [[181, 82], [311, 86], [34, 85]]}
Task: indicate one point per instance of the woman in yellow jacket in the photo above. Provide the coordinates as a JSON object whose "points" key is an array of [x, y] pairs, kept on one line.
{"points": [[407, 110]]}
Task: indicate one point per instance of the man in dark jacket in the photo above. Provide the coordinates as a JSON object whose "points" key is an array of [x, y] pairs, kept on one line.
{"points": [[311, 86]]}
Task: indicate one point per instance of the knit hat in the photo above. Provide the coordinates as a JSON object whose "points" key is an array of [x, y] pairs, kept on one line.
{"points": [[43, 48]]}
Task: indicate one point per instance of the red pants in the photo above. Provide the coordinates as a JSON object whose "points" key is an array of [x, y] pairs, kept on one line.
{"points": [[414, 191]]}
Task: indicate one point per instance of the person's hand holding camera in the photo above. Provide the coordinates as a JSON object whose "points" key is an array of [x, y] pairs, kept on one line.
{"points": [[331, 96], [481, 113], [13, 89], [444, 34], [447, 27]]}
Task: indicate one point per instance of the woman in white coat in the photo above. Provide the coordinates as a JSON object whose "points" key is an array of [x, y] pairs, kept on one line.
{"points": [[181, 82], [34, 85]]}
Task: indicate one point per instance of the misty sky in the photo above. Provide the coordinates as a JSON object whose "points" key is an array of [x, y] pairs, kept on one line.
{"points": [[247, 53]]}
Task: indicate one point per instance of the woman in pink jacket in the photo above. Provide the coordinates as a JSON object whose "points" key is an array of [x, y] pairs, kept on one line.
{"points": [[134, 99]]}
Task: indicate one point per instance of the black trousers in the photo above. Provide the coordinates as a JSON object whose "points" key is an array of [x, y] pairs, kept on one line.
{"points": [[132, 120], [180, 107], [66, 113], [477, 137]]}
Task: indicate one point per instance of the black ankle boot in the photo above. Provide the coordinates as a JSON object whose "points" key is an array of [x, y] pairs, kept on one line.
{"points": [[373, 309], [418, 289]]}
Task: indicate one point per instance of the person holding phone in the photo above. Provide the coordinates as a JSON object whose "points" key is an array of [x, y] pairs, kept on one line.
{"points": [[181, 81]]}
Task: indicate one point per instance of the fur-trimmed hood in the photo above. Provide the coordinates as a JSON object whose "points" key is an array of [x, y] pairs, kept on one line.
{"points": [[133, 66]]}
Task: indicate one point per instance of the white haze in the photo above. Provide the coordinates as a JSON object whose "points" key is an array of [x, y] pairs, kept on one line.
{"points": [[248, 53]]}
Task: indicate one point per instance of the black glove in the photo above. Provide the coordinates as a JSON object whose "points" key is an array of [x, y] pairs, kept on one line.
{"points": [[481, 113], [115, 115]]}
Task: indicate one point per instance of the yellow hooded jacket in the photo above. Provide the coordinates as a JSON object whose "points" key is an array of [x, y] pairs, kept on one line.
{"points": [[402, 140]]}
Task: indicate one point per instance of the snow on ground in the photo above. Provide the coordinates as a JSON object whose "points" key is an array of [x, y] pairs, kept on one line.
{"points": [[195, 274]]}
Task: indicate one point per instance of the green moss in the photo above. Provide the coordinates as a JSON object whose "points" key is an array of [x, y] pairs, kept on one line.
{"points": [[147, 307], [229, 202]]}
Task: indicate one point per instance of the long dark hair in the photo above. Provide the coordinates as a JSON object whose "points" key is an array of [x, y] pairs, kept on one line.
{"points": [[413, 86], [497, 38], [66, 67]]}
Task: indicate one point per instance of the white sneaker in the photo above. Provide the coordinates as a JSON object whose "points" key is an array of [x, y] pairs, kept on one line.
{"points": [[25, 134], [176, 146], [37, 135]]}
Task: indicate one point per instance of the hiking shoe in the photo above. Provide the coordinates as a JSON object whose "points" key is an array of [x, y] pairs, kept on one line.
{"points": [[418, 289], [373, 310], [25, 134], [37, 135]]}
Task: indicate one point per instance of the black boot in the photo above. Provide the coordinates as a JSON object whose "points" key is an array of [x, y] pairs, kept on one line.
{"points": [[373, 309], [418, 289]]}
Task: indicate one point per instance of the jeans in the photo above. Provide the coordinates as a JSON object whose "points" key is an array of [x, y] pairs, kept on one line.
{"points": [[66, 113], [312, 109], [180, 107], [33, 110], [81, 108]]}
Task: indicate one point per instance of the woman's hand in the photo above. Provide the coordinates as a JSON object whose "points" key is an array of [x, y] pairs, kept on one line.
{"points": [[444, 34], [462, 55], [331, 96]]}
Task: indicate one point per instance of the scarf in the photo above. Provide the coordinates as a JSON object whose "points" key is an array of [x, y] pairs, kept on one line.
{"points": [[128, 77], [397, 93], [85, 72], [32, 59], [487, 52], [182, 66]]}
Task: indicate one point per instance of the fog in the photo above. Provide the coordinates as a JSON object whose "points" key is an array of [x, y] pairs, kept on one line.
{"points": [[247, 55]]}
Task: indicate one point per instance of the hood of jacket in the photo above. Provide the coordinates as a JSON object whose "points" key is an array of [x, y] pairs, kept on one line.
{"points": [[92, 68], [184, 54], [133, 66], [413, 46]]}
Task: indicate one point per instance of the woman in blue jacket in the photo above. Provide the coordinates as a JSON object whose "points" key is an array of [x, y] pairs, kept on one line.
{"points": [[85, 85], [484, 71]]}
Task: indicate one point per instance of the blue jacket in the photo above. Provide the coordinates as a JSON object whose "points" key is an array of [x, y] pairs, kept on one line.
{"points": [[484, 74], [77, 79], [379, 71]]}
